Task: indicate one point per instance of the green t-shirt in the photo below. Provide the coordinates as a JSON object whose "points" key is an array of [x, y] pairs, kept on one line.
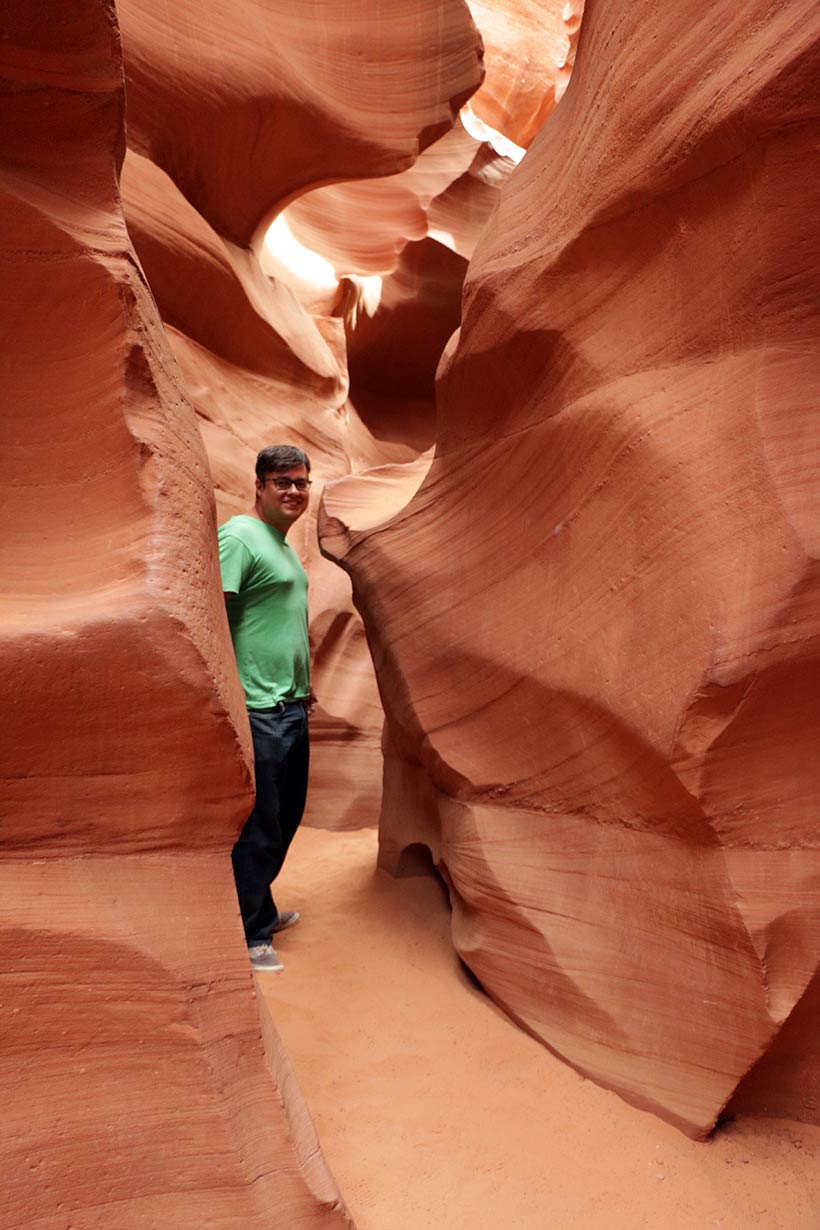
{"points": [[267, 611]]}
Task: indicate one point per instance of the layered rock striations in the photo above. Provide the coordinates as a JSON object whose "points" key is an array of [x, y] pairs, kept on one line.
{"points": [[142, 1083], [138, 1086], [401, 245], [248, 106], [594, 618], [596, 624], [230, 115], [530, 50]]}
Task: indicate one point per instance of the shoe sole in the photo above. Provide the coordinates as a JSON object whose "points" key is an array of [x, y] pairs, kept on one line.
{"points": [[268, 969]]}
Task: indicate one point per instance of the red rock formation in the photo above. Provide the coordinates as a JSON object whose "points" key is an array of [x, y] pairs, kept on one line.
{"points": [[137, 1088], [249, 105], [530, 49], [596, 623], [257, 368], [400, 245], [363, 226], [230, 114]]}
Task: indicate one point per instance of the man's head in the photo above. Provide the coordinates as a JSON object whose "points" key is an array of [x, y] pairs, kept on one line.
{"points": [[282, 485]]}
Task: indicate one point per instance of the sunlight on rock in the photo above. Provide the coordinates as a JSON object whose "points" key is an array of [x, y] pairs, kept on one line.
{"points": [[483, 132], [283, 256]]}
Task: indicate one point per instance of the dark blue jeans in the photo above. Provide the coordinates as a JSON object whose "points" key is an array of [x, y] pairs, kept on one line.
{"points": [[281, 755]]}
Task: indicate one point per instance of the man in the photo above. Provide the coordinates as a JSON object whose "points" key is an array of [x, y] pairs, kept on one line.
{"points": [[266, 599]]}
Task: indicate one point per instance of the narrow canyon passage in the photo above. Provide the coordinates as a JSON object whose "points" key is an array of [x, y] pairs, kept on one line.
{"points": [[434, 1111]]}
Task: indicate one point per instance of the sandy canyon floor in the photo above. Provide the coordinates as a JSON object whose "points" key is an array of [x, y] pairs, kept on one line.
{"points": [[435, 1111]]}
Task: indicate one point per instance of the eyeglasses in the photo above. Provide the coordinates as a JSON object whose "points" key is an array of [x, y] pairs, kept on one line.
{"points": [[285, 484]]}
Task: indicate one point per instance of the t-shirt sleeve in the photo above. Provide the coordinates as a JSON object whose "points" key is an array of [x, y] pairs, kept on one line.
{"points": [[234, 561]]}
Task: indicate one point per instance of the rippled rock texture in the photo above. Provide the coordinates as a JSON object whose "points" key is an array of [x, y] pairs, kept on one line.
{"points": [[137, 1086], [141, 1085], [594, 619], [232, 111], [530, 49], [596, 622]]}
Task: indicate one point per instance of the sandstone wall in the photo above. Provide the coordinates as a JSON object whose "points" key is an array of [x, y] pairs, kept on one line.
{"points": [[596, 622], [529, 53], [137, 1088], [232, 112], [594, 618], [142, 1084]]}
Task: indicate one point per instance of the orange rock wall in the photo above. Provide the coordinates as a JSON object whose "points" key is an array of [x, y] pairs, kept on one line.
{"points": [[143, 1083], [529, 52], [248, 105], [231, 112], [596, 625], [594, 622], [258, 370], [137, 1085]]}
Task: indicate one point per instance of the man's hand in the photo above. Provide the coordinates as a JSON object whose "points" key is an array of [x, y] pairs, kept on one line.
{"points": [[310, 704]]}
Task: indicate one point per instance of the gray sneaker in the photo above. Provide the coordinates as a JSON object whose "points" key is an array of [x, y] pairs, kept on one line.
{"points": [[263, 957], [288, 918]]}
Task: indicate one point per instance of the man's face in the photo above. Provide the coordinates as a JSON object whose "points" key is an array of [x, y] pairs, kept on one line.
{"points": [[281, 508]]}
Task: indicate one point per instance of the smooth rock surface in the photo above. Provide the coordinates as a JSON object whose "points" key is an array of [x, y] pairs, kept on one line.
{"points": [[258, 369], [403, 208], [248, 105], [230, 114], [140, 1084], [529, 52], [596, 623]]}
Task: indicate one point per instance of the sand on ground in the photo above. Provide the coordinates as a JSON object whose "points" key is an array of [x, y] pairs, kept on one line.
{"points": [[434, 1110]]}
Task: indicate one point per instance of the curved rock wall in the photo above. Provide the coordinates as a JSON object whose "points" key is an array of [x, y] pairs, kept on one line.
{"points": [[594, 619], [257, 369], [153, 1095], [231, 112], [596, 624], [529, 52], [248, 105], [137, 1085]]}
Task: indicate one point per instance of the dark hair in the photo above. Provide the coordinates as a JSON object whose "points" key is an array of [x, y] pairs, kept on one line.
{"points": [[280, 457]]}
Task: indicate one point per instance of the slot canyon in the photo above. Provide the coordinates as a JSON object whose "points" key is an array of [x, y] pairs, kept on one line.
{"points": [[535, 284]]}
